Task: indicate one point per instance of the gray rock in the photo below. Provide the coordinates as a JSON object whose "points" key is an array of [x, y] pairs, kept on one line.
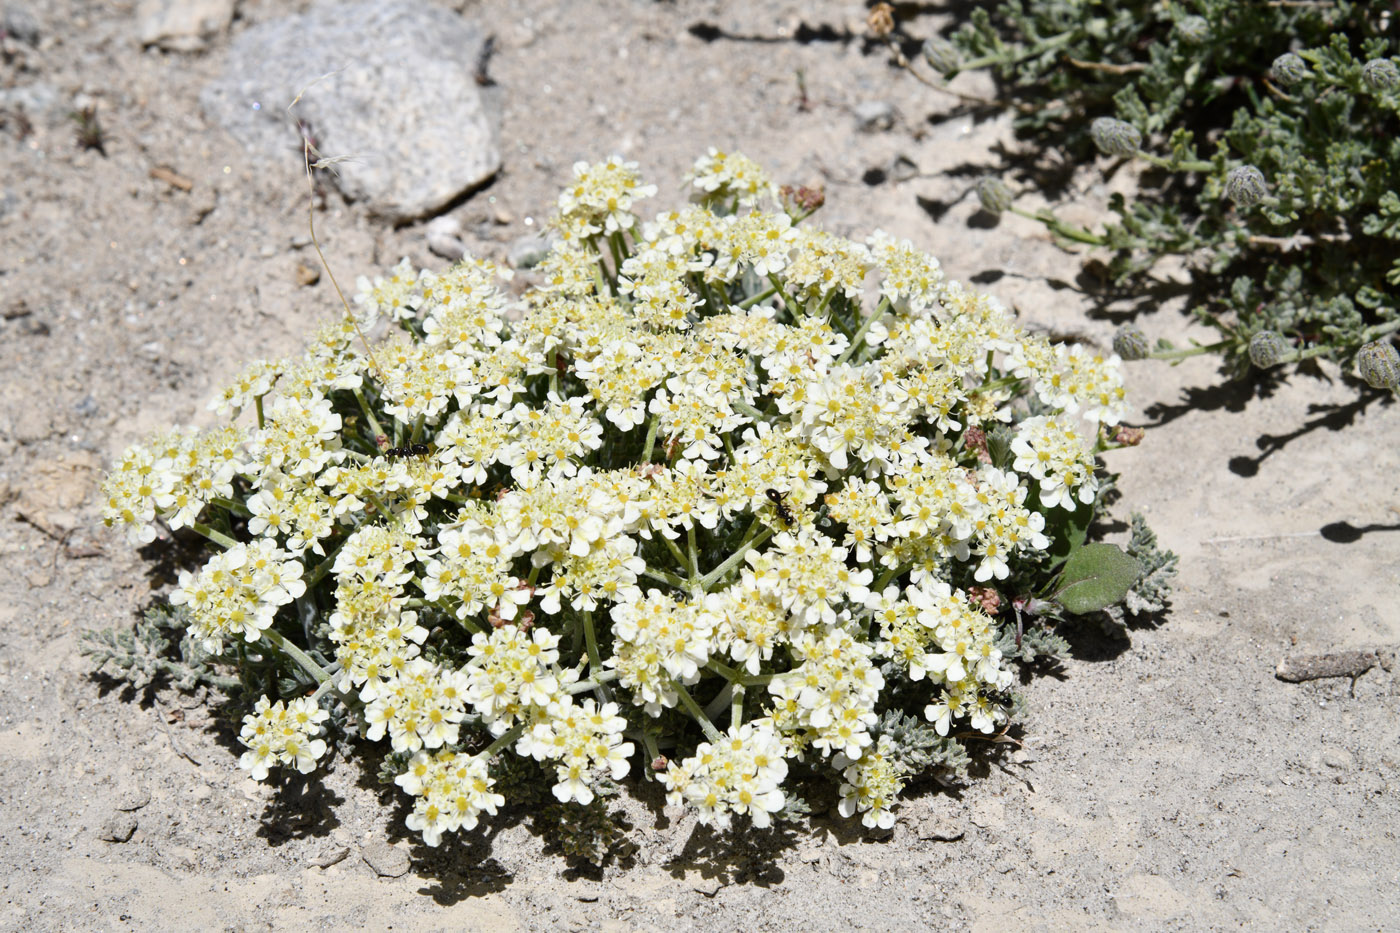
{"points": [[444, 235], [334, 856], [182, 25], [120, 828], [386, 86], [874, 116], [19, 23], [1337, 759], [133, 798], [386, 860], [529, 251]]}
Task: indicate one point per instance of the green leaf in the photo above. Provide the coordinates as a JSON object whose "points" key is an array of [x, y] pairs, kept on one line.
{"points": [[1095, 577]]}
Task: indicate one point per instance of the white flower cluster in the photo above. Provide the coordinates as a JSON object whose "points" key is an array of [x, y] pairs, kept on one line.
{"points": [[282, 734], [697, 478]]}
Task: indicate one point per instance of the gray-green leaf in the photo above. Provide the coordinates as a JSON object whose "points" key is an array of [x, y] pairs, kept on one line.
{"points": [[1095, 577]]}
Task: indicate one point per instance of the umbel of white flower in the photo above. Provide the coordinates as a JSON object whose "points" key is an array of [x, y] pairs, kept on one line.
{"points": [[699, 495]]}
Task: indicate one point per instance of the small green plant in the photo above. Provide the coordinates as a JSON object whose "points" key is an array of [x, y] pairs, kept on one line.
{"points": [[1269, 141], [699, 512]]}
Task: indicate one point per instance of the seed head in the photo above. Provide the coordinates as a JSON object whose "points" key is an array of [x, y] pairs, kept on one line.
{"points": [[994, 195], [1289, 69], [1131, 343], [1379, 364], [942, 56], [1245, 186], [1381, 74], [1193, 29], [1266, 348], [1114, 137]]}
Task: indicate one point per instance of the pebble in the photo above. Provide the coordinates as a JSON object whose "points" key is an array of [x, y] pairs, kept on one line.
{"points": [[307, 275], [874, 116], [387, 861], [388, 84], [133, 798], [120, 828], [529, 251], [19, 23], [1337, 759], [202, 792], [182, 25], [334, 857], [444, 235], [940, 829]]}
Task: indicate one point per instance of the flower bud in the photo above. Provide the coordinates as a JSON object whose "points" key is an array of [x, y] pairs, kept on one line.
{"points": [[942, 56], [1289, 69], [1193, 29], [1114, 137], [1381, 74], [1245, 186], [1266, 348], [994, 195], [1379, 364], [1131, 343]]}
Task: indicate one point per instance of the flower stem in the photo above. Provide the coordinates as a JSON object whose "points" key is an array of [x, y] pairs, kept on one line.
{"points": [[280, 642], [368, 413], [859, 339], [708, 580], [504, 740], [694, 709], [218, 537]]}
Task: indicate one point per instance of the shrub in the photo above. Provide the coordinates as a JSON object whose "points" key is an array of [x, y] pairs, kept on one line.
{"points": [[1290, 222], [690, 510]]}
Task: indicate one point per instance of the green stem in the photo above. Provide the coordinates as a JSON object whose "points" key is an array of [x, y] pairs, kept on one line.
{"points": [[1058, 226], [888, 576], [708, 581], [1189, 351], [859, 339], [278, 641], [1160, 162], [692, 553], [368, 413], [229, 505], [744, 408], [590, 635], [417, 434], [755, 299], [650, 442], [695, 711], [257, 403], [583, 686], [676, 552], [504, 740], [323, 567], [218, 537], [793, 308], [669, 579]]}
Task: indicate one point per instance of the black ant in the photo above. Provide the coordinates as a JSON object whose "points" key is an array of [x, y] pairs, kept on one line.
{"points": [[407, 450], [779, 500]]}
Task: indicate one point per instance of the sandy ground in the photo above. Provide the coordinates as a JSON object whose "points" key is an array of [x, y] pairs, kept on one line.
{"points": [[1168, 781]]}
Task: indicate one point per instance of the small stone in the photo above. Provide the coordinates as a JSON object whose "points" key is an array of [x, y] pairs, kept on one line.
{"points": [[120, 828], [387, 861], [387, 83], [903, 168], [587, 893], [183, 25], [529, 251], [874, 116], [133, 798], [19, 23], [307, 275], [444, 235], [17, 309], [940, 829], [87, 407], [202, 792], [1337, 759], [31, 424], [267, 251], [1320, 666], [334, 857]]}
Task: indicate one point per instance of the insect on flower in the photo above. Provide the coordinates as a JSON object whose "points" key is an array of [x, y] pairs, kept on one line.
{"points": [[779, 500], [407, 450]]}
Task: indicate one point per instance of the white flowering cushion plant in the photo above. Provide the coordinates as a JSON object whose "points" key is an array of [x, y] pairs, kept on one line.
{"points": [[723, 501]]}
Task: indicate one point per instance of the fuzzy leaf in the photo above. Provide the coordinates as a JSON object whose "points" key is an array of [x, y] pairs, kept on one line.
{"points": [[1095, 577]]}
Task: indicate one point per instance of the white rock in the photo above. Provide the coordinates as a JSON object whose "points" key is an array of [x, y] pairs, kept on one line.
{"points": [[444, 236], [386, 86], [182, 25]]}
